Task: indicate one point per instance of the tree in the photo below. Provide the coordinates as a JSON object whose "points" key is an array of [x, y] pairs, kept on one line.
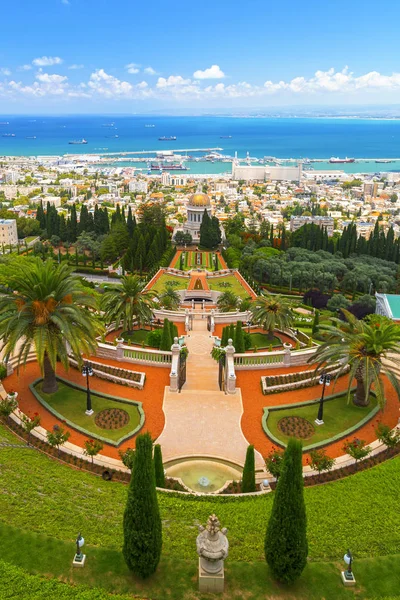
{"points": [[249, 471], [363, 347], [286, 546], [170, 298], [57, 437], [272, 312], [128, 458], [30, 423], [274, 462], [92, 448], [7, 406], [128, 302], [337, 302], [227, 302], [357, 449], [239, 338], [142, 523], [315, 325], [320, 461], [166, 340], [47, 309], [159, 467]]}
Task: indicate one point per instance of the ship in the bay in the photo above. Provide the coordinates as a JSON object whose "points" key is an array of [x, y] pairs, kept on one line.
{"points": [[168, 167], [335, 159], [82, 141], [171, 138]]}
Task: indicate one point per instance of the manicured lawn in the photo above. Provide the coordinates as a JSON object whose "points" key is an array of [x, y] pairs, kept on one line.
{"points": [[138, 336], [175, 579], [229, 283], [71, 404], [178, 283], [40, 495], [338, 417], [261, 340], [189, 261]]}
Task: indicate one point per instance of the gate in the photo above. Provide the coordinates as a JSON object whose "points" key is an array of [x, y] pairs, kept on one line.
{"points": [[182, 371], [221, 373], [209, 323]]}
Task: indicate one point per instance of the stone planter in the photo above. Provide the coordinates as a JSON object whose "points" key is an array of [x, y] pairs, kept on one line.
{"points": [[12, 396], [119, 340]]}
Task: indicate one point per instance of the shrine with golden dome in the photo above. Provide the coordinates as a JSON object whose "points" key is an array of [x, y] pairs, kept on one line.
{"points": [[198, 203]]}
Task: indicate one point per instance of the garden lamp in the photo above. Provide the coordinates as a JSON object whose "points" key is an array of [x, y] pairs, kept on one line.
{"points": [[348, 576], [324, 380], [87, 371]]}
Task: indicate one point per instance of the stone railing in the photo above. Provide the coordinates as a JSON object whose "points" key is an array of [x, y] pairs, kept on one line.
{"points": [[231, 317], [306, 379], [273, 360], [100, 370], [171, 315], [135, 355]]}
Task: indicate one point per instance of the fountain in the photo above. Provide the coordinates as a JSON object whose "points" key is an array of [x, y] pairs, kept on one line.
{"points": [[204, 475]]}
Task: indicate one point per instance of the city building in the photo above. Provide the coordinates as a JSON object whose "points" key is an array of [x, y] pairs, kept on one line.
{"points": [[266, 173], [8, 231], [327, 222], [165, 178], [388, 305], [138, 185], [12, 177]]}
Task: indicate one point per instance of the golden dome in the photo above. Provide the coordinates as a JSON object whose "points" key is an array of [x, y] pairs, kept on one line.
{"points": [[199, 199]]}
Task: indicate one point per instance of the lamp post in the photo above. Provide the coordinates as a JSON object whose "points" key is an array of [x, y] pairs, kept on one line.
{"points": [[348, 576], [87, 371], [79, 558], [324, 380]]}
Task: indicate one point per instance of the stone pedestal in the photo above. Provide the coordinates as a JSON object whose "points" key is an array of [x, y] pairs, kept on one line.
{"points": [[348, 581], [211, 583], [80, 562]]}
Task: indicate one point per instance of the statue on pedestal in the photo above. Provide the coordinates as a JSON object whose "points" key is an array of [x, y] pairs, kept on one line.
{"points": [[212, 547]]}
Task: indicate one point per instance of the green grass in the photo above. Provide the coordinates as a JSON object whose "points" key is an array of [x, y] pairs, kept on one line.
{"points": [[71, 404], [40, 495], [338, 416], [193, 265], [261, 340], [181, 283], [235, 286], [30, 555]]}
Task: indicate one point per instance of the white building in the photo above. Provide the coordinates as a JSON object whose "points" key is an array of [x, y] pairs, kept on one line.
{"points": [[266, 173], [327, 222], [165, 178], [138, 185], [12, 177], [51, 200], [8, 231]]}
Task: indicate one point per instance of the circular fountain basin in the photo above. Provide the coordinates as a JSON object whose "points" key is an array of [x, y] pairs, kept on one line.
{"points": [[206, 475]]}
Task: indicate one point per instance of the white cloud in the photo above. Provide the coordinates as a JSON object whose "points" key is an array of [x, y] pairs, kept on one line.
{"points": [[5, 71], [47, 78], [47, 61], [25, 68], [132, 68], [75, 67], [108, 85], [214, 72], [172, 81], [142, 85], [150, 71]]}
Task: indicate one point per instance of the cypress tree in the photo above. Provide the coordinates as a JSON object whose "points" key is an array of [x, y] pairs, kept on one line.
{"points": [[224, 337], [173, 331], [239, 338], [130, 223], [231, 334], [142, 522], [286, 546], [249, 471], [166, 341], [315, 326], [74, 224], [159, 467]]}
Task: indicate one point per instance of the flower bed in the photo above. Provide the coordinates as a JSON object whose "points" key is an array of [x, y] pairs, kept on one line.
{"points": [[112, 418], [297, 427], [292, 381], [119, 375]]}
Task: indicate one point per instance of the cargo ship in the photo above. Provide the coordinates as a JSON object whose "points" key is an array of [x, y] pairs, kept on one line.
{"points": [[341, 160], [163, 138], [8, 134], [168, 167], [82, 141]]}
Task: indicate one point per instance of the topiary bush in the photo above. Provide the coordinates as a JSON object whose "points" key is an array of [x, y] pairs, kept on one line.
{"points": [[249, 472]]}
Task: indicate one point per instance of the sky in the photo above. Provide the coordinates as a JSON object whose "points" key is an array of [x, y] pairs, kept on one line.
{"points": [[122, 56]]}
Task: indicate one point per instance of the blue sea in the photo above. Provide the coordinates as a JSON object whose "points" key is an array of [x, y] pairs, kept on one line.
{"points": [[279, 137]]}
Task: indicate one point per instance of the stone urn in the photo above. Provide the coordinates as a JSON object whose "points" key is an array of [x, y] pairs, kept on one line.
{"points": [[212, 546]]}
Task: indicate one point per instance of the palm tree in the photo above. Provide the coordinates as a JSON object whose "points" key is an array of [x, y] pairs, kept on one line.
{"points": [[47, 309], [170, 298], [127, 302], [272, 312], [227, 302], [362, 346]]}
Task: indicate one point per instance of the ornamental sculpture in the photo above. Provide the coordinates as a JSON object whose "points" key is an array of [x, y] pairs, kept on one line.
{"points": [[212, 546]]}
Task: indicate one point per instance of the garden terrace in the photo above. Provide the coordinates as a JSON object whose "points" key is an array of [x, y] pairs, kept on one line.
{"points": [[198, 259], [68, 404], [178, 282], [118, 375], [341, 419], [228, 283], [34, 520], [262, 341]]}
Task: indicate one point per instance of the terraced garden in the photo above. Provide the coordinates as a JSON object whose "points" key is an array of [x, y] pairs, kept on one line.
{"points": [[227, 283]]}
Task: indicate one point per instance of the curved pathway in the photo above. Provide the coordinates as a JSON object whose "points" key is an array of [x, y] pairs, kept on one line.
{"points": [[202, 420]]}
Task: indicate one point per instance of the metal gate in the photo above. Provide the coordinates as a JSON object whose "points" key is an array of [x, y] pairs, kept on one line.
{"points": [[221, 373], [182, 371], [209, 323]]}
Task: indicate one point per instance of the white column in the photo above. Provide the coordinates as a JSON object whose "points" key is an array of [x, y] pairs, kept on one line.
{"points": [[173, 376], [230, 376]]}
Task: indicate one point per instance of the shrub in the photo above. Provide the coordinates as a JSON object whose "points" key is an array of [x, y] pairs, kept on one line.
{"points": [[7, 406], [29, 423], [357, 449], [387, 436], [166, 341], [273, 462], [3, 371], [142, 523], [286, 546], [320, 461], [57, 437], [316, 298], [159, 467], [249, 471], [128, 458], [239, 338], [92, 448], [154, 338]]}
